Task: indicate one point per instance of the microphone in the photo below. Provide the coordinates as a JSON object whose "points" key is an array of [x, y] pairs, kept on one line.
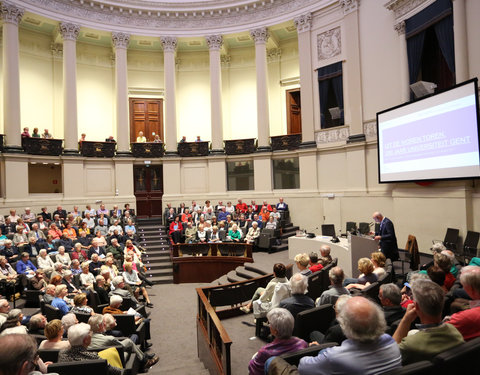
{"points": [[370, 224]]}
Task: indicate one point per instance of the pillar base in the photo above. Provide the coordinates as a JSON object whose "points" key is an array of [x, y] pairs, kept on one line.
{"points": [[356, 138], [123, 154], [171, 153], [13, 149], [71, 152], [219, 151], [308, 144], [264, 149]]}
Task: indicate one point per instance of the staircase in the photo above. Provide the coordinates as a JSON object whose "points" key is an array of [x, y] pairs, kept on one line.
{"points": [[154, 238], [241, 273], [288, 231]]}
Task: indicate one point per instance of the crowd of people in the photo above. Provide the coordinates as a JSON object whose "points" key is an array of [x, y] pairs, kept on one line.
{"points": [[68, 257], [436, 309], [222, 223]]}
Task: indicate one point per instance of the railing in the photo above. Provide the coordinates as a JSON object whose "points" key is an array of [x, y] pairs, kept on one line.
{"points": [[41, 146], [188, 149], [213, 249], [147, 150], [240, 146], [98, 149], [286, 142]]}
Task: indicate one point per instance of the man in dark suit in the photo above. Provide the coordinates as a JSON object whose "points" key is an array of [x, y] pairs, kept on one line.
{"points": [[386, 236], [60, 212], [281, 205], [299, 301]]}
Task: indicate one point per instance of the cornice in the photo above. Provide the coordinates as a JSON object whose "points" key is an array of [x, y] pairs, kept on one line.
{"points": [[176, 18], [403, 9]]}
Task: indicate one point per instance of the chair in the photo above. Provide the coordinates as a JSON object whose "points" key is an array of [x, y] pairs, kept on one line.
{"points": [[82, 317], [93, 300], [99, 308], [328, 230], [93, 366], [371, 292], [451, 239], [52, 312], [470, 245], [314, 319], [222, 235], [460, 359], [265, 241], [416, 368], [316, 285], [294, 358], [48, 355]]}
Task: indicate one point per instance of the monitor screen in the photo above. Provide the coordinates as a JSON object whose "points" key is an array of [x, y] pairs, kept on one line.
{"points": [[434, 138]]}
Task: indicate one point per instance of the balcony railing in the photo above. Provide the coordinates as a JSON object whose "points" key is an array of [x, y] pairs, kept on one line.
{"points": [[41, 146], [187, 149], [286, 142], [147, 150], [240, 146], [98, 149]]}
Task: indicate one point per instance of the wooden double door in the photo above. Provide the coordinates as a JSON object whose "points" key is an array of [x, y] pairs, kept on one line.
{"points": [[148, 185], [146, 115]]}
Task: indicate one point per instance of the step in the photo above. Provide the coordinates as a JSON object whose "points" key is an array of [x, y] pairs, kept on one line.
{"points": [[276, 249], [253, 268], [155, 273], [156, 258], [233, 277], [159, 265], [222, 280], [287, 235], [161, 279], [246, 274]]}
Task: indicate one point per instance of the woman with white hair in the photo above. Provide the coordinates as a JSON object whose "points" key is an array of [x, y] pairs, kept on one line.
{"points": [[45, 262], [281, 326], [86, 277], [59, 300], [63, 257], [13, 324], [253, 233], [80, 336]]}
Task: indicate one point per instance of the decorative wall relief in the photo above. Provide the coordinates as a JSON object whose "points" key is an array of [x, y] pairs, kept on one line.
{"points": [[329, 44]]}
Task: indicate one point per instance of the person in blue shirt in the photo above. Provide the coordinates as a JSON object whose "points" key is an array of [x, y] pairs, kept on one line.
{"points": [[25, 265], [59, 302]]}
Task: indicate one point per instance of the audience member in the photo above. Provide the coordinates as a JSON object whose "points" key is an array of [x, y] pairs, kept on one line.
{"points": [[433, 336], [302, 262], [59, 302], [18, 355], [367, 276], [334, 332], [298, 301], [364, 325], [391, 297], [54, 335], [325, 258], [314, 265], [335, 290], [36, 324]]}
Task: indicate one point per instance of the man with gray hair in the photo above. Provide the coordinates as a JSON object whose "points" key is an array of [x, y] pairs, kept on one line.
{"points": [[367, 350], [100, 340], [468, 321], [299, 301], [433, 336], [391, 297], [119, 284], [4, 309], [336, 288], [325, 257], [79, 337], [17, 354]]}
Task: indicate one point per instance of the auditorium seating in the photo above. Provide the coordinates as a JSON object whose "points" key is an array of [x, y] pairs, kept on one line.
{"points": [[293, 358], [319, 281], [315, 319], [92, 366]]}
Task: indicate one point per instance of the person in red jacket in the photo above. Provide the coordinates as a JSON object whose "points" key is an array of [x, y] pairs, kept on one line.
{"points": [[176, 229], [241, 207]]}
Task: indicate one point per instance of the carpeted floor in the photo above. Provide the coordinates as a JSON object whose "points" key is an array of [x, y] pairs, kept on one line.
{"points": [[174, 332]]}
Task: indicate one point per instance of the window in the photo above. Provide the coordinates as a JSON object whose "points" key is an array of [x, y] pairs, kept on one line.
{"points": [[286, 174], [330, 87], [44, 178], [430, 49], [240, 175]]}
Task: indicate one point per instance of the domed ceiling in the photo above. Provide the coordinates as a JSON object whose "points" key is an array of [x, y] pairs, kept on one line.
{"points": [[172, 17]]}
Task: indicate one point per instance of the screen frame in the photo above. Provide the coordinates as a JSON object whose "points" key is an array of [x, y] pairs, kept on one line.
{"points": [[475, 83]]}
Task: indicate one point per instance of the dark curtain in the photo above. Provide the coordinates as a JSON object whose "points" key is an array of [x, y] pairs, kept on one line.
{"points": [[414, 52], [330, 73], [444, 32]]}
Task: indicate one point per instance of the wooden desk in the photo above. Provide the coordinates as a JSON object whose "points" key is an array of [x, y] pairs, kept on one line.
{"points": [[203, 263]]}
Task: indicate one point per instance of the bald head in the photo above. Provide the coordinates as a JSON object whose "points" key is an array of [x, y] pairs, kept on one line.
{"points": [[362, 320], [325, 250], [377, 217]]}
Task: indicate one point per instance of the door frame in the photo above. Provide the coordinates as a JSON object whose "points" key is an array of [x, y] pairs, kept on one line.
{"points": [[289, 114], [161, 115]]}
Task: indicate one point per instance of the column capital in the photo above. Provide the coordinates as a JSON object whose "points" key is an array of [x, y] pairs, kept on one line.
{"points": [[57, 50], [214, 42], [11, 13], [260, 35], [400, 27], [169, 43], [69, 31], [303, 22], [349, 6], [120, 40]]}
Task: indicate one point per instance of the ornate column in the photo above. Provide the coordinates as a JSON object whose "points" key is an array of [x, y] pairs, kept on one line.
{"points": [[169, 46], [214, 43], [460, 41], [69, 32], [11, 16], [260, 36], [120, 43], [303, 24], [404, 77]]}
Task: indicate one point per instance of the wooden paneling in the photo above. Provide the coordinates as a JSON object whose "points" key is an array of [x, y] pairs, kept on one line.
{"points": [[294, 112], [146, 115]]}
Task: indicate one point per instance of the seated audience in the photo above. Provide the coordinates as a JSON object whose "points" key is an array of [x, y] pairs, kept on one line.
{"points": [[190, 233], [54, 335], [36, 324], [96, 249], [13, 323], [265, 294], [298, 301], [391, 297], [101, 289], [68, 281], [214, 235], [468, 321], [10, 252], [433, 336], [49, 295], [130, 276], [325, 257], [367, 276], [334, 332], [25, 266], [335, 290], [378, 260], [18, 355], [39, 281], [175, 231], [281, 326], [70, 232], [367, 350], [271, 223], [86, 277], [234, 234], [95, 265], [4, 310], [63, 257], [80, 337], [75, 267], [80, 305], [314, 265], [118, 285], [57, 270], [281, 205], [302, 261], [45, 262], [253, 233]]}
